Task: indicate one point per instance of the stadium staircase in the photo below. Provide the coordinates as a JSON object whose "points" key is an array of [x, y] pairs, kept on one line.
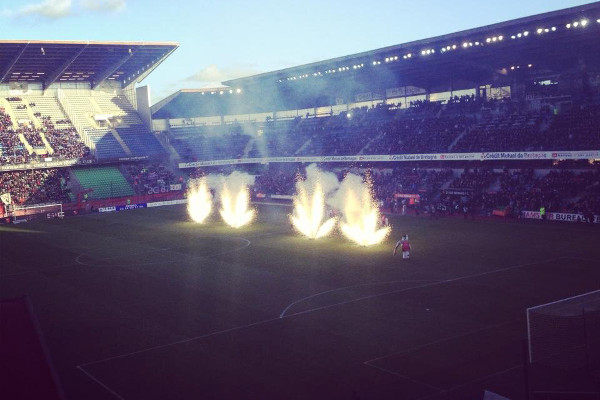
{"points": [[50, 107], [124, 136], [100, 139], [47, 145], [9, 111], [118, 138], [372, 140], [105, 182], [455, 141], [304, 146], [21, 112], [248, 147], [25, 143]]}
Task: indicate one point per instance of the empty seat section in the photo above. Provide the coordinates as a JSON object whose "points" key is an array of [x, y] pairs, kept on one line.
{"points": [[140, 141], [105, 181]]}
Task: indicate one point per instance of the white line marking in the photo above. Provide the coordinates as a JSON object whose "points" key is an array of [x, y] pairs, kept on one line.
{"points": [[453, 388], [425, 286], [100, 383], [303, 312], [291, 315], [446, 339], [180, 342], [349, 287], [437, 389]]}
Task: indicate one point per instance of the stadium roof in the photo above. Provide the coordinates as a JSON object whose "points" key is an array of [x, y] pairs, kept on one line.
{"points": [[48, 62], [475, 54], [558, 43]]}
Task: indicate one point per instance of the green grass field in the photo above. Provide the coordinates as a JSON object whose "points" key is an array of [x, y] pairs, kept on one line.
{"points": [[146, 305]]}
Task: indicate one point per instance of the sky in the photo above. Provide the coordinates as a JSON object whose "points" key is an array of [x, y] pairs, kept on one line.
{"points": [[227, 39]]}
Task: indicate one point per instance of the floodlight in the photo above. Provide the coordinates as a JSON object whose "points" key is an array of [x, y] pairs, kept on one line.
{"points": [[540, 30], [584, 22], [568, 26]]}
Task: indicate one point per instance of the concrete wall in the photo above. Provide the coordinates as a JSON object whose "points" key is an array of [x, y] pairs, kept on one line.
{"points": [[142, 95]]}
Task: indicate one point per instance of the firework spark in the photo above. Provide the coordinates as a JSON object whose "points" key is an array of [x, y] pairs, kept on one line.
{"points": [[309, 212], [361, 214], [235, 207], [199, 201]]}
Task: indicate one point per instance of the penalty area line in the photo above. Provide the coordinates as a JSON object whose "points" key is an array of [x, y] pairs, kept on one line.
{"points": [[162, 346], [408, 378], [436, 283], [92, 377], [282, 315]]}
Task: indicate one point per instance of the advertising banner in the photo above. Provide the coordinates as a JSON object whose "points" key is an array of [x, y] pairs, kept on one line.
{"points": [[551, 216], [39, 165], [131, 207], [499, 155], [166, 203]]}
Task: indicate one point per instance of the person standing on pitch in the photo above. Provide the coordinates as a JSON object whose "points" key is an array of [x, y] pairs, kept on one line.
{"points": [[404, 245]]}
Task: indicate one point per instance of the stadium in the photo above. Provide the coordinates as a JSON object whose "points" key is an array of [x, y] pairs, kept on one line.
{"points": [[240, 242]]}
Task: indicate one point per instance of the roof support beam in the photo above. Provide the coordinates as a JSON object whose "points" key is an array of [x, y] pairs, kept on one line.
{"points": [[6, 73], [137, 78], [54, 75], [102, 76]]}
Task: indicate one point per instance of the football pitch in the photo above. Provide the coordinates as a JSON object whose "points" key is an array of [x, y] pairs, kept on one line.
{"points": [[145, 304]]}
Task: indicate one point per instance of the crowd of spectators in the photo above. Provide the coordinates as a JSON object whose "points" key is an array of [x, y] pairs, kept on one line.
{"points": [[36, 186], [475, 179], [280, 180], [65, 142], [146, 178], [463, 124], [469, 193]]}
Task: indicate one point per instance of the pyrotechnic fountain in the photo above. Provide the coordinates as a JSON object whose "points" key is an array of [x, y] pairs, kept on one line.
{"points": [[235, 206], [360, 213], [234, 197], [309, 211], [199, 201]]}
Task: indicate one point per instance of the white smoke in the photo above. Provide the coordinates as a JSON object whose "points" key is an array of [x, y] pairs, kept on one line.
{"points": [[352, 185], [234, 182], [328, 180]]}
